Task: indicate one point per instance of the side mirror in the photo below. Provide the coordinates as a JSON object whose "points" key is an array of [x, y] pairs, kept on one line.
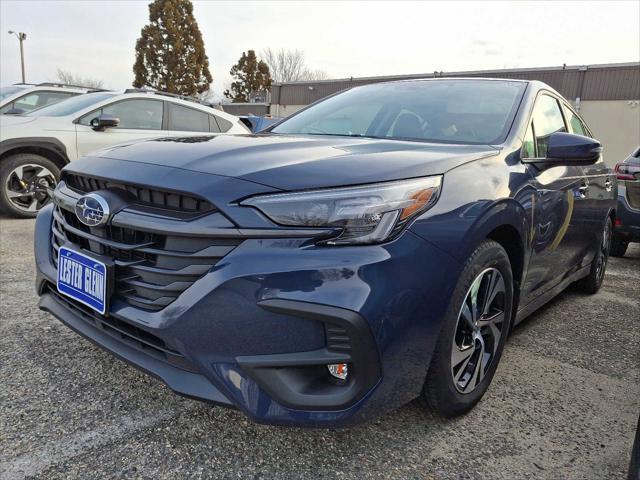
{"points": [[572, 149], [104, 121]]}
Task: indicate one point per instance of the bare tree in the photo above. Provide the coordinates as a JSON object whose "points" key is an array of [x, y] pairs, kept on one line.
{"points": [[65, 76], [289, 66], [284, 65], [317, 74]]}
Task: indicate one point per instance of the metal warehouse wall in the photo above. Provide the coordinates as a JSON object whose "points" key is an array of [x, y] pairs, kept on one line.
{"points": [[588, 82], [245, 108]]}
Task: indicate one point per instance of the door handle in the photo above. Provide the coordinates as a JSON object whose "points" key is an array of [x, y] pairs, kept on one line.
{"points": [[608, 184], [583, 189]]}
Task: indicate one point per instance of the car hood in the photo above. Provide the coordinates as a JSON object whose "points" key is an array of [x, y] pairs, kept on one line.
{"points": [[299, 162]]}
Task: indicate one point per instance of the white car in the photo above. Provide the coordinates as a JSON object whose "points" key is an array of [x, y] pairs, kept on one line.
{"points": [[34, 147], [24, 97]]}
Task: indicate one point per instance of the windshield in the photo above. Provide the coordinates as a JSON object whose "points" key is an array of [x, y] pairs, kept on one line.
{"points": [[444, 111], [72, 105], [8, 91]]}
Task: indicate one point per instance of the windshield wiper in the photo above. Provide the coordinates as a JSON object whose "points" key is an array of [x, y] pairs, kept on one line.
{"points": [[353, 135]]}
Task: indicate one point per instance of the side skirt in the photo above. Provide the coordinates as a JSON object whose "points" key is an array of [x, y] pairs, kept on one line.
{"points": [[535, 304]]}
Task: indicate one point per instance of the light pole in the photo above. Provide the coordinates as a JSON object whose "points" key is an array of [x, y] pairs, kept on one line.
{"points": [[22, 37]]}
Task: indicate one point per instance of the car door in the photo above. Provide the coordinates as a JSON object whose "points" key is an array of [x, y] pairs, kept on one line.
{"points": [[559, 190], [188, 121], [600, 191], [138, 119]]}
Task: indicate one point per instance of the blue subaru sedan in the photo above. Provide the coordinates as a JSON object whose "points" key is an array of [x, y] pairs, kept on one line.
{"points": [[376, 247]]}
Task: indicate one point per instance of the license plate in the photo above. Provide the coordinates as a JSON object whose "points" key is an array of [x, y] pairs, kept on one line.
{"points": [[82, 278]]}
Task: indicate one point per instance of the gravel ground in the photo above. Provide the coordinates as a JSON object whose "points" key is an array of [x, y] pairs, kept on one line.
{"points": [[563, 404]]}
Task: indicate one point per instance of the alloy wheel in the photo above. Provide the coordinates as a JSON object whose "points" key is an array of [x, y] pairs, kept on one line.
{"points": [[26, 187], [478, 330]]}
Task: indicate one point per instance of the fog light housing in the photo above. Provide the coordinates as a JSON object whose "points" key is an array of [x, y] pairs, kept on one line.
{"points": [[339, 370]]}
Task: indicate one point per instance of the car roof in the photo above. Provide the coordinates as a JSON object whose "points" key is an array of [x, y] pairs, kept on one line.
{"points": [[450, 79], [61, 87], [532, 86], [23, 86]]}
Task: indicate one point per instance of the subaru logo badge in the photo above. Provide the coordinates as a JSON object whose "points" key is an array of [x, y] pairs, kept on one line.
{"points": [[92, 210]]}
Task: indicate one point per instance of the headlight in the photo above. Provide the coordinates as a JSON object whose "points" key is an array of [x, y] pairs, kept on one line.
{"points": [[366, 214]]}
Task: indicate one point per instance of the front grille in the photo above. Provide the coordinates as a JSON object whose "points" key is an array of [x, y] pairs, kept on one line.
{"points": [[123, 331], [337, 338], [151, 270], [146, 196]]}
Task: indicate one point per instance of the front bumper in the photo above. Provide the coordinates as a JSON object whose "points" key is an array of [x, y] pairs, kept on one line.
{"points": [[257, 331]]}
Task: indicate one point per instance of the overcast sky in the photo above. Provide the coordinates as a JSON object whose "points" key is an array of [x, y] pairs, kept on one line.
{"points": [[97, 38]]}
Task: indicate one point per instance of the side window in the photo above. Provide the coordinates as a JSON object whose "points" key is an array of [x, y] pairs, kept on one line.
{"points": [[86, 119], [137, 114], [225, 124], [575, 123], [184, 119], [528, 145], [547, 119], [213, 124]]}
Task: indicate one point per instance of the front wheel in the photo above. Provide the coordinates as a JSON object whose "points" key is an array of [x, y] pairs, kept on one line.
{"points": [[25, 180], [474, 333]]}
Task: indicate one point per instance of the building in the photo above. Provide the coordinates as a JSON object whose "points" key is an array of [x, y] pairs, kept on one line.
{"points": [[248, 108], [607, 96]]}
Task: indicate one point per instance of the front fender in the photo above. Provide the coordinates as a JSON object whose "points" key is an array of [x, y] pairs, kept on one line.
{"points": [[460, 231], [506, 212], [46, 143], [476, 199]]}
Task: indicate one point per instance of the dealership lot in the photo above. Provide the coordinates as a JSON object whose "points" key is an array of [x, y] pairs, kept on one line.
{"points": [[564, 403]]}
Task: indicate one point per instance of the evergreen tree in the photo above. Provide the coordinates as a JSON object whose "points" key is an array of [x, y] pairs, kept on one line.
{"points": [[170, 52], [250, 76]]}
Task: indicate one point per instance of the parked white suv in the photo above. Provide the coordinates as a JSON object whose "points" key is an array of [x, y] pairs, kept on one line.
{"points": [[24, 97], [34, 147]]}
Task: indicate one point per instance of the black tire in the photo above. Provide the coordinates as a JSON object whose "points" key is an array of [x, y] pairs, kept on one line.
{"points": [[618, 246], [592, 282], [34, 165], [441, 391]]}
